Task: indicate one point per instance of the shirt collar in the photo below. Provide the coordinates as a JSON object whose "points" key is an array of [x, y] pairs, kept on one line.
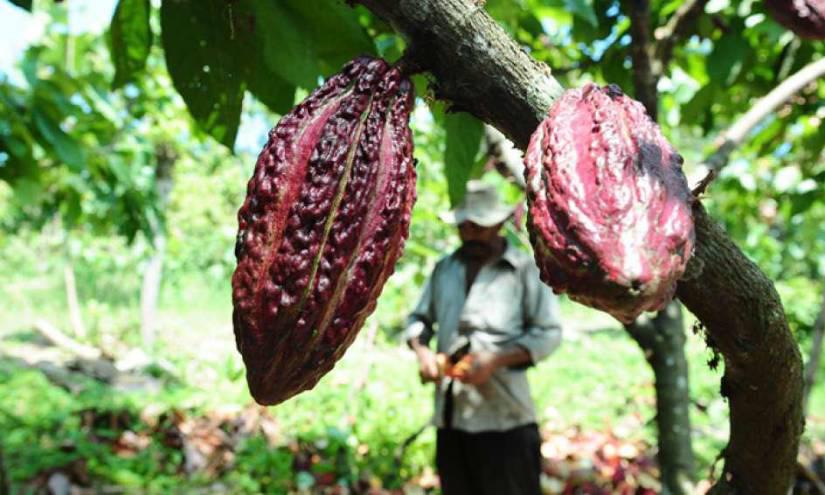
{"points": [[510, 255]]}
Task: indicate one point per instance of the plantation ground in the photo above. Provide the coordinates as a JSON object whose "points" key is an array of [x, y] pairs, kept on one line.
{"points": [[188, 424]]}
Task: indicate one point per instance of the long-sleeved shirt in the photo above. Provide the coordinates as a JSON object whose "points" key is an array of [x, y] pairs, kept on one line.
{"points": [[507, 305]]}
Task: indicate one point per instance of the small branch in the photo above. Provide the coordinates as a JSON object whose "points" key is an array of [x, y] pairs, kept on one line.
{"points": [[677, 27], [730, 139], [504, 153], [60, 339]]}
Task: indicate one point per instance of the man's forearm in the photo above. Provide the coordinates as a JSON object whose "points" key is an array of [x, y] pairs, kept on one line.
{"points": [[515, 356]]}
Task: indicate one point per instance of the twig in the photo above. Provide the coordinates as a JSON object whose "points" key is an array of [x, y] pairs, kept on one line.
{"points": [[503, 152], [735, 134], [676, 28], [63, 341]]}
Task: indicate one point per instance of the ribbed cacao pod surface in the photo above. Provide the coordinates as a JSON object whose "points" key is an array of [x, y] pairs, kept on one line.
{"points": [[609, 209], [806, 18], [325, 218]]}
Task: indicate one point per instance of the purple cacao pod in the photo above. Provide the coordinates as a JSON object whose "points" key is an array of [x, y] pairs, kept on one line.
{"points": [[806, 18], [609, 207], [325, 218]]}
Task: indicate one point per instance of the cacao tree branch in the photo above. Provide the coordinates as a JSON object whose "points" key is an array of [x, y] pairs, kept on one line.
{"points": [[677, 27], [482, 70], [730, 139], [503, 151]]}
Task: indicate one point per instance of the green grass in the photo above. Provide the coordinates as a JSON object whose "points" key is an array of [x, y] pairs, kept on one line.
{"points": [[596, 380]]}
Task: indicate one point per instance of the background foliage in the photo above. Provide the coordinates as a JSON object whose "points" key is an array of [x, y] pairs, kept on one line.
{"points": [[86, 119]]}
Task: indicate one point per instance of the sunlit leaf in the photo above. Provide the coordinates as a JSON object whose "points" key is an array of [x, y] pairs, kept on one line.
{"points": [[130, 39], [463, 142]]}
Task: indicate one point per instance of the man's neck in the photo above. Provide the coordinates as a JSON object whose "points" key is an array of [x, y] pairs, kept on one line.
{"points": [[477, 255]]}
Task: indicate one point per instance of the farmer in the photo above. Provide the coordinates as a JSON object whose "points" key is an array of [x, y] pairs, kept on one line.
{"points": [[493, 319]]}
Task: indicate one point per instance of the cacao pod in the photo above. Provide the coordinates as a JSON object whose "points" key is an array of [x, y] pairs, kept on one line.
{"points": [[609, 209], [806, 18], [325, 218]]}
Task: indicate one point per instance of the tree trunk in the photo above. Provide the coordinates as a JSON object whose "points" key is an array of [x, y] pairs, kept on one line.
{"points": [[150, 292], [662, 340], [75, 315], [165, 157], [481, 70], [816, 353]]}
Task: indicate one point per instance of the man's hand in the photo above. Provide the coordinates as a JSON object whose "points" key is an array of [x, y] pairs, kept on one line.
{"points": [[476, 368], [427, 364]]}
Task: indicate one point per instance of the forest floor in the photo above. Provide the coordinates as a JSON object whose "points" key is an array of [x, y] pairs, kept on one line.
{"points": [[183, 421]]}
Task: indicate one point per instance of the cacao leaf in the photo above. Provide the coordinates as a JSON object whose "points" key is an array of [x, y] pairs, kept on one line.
{"points": [[23, 4], [65, 148], [285, 47], [130, 39], [197, 40], [461, 153], [583, 9], [727, 58], [333, 31]]}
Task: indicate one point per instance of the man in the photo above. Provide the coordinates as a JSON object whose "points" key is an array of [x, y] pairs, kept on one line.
{"points": [[485, 301]]}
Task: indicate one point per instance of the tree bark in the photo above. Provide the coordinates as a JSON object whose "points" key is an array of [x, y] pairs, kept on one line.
{"points": [[75, 315], [662, 339], [165, 157], [481, 70], [150, 291]]}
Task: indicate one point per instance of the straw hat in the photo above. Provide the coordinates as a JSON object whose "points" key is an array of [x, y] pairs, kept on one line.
{"points": [[481, 205]]}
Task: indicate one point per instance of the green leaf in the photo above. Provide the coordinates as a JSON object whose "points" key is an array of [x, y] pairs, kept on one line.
{"points": [[198, 39], [65, 148], [23, 4], [333, 30], [727, 58], [286, 49], [694, 112], [583, 9], [464, 135], [130, 39]]}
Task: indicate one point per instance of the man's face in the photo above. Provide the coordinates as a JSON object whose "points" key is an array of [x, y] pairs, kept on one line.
{"points": [[478, 240]]}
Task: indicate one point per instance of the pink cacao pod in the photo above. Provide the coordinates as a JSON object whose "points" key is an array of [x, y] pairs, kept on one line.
{"points": [[609, 207], [325, 218], [806, 18]]}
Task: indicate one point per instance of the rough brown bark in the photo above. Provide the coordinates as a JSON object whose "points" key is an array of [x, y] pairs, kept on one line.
{"points": [[480, 69], [745, 321], [662, 339]]}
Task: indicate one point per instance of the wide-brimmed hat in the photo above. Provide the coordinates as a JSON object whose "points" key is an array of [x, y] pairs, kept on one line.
{"points": [[481, 205]]}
